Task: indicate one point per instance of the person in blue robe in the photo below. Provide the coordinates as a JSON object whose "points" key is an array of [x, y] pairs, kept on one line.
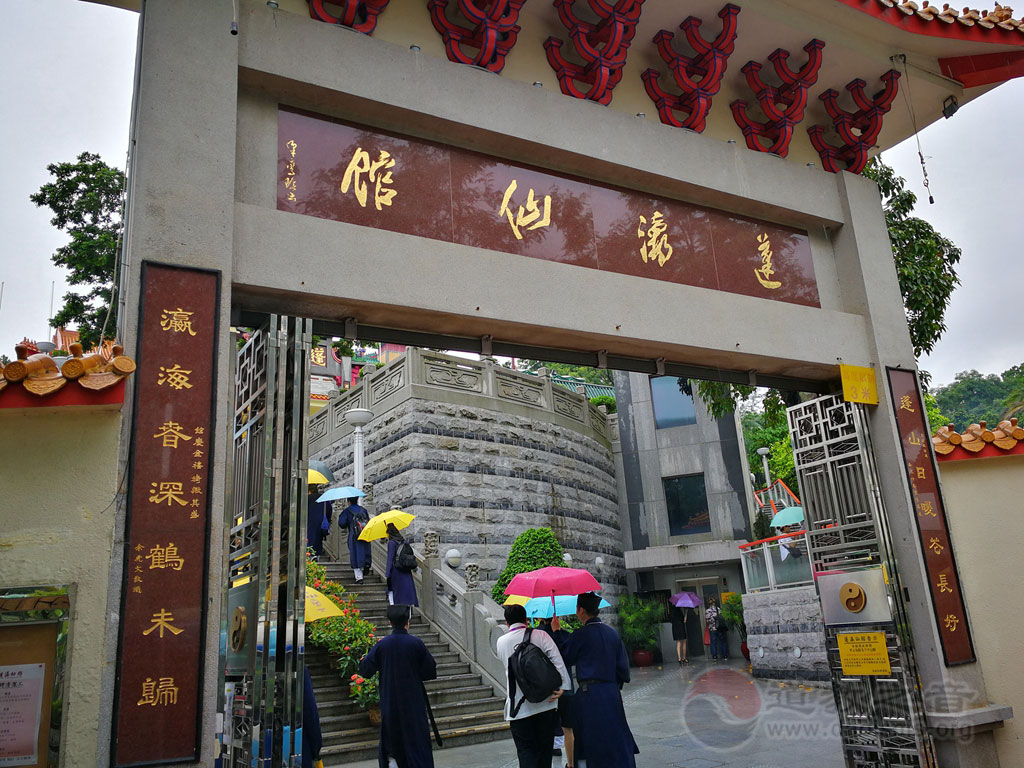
{"points": [[601, 734], [401, 587], [354, 517], [312, 738], [404, 663], [315, 513]]}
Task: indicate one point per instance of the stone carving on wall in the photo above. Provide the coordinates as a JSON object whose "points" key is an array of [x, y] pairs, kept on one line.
{"points": [[567, 406], [442, 375], [388, 384], [317, 428], [520, 391], [472, 574], [431, 543]]}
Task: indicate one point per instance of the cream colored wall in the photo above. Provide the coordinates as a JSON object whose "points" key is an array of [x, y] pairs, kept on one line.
{"points": [[983, 503], [58, 475]]}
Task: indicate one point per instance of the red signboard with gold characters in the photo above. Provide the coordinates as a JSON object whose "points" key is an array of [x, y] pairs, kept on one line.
{"points": [[915, 439], [359, 175], [164, 588]]}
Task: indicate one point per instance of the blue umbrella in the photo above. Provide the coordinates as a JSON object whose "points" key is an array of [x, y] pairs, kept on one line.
{"points": [[565, 605], [345, 492], [788, 516]]}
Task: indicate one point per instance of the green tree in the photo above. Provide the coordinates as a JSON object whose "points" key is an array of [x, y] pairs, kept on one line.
{"points": [[589, 375], [933, 413], [606, 400], [639, 621], [85, 197], [533, 548], [925, 260], [975, 397]]}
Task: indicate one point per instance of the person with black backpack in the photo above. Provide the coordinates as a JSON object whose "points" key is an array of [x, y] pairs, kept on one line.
{"points": [[537, 678], [355, 518], [398, 571]]}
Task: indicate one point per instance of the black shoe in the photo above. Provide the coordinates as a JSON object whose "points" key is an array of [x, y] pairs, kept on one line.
{"points": [[556, 752], [359, 581]]}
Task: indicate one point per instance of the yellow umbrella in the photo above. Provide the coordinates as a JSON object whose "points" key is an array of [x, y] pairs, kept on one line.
{"points": [[316, 478], [319, 606], [377, 528], [516, 600]]}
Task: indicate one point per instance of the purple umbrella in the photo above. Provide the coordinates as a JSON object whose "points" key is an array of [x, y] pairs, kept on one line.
{"points": [[685, 600]]}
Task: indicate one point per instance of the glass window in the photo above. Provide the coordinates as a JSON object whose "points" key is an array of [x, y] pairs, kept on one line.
{"points": [[672, 406], [687, 501]]}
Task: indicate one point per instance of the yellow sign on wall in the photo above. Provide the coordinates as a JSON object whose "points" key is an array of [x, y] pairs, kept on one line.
{"points": [[859, 385], [864, 653]]}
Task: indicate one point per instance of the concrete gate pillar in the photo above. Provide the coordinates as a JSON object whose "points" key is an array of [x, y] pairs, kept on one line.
{"points": [[954, 697], [181, 212]]}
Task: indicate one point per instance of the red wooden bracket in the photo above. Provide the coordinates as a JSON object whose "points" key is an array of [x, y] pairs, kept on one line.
{"points": [[857, 130], [783, 105], [491, 33], [360, 15], [602, 46], [699, 77]]}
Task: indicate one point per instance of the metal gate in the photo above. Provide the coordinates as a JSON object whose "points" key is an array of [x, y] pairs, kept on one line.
{"points": [[881, 716], [261, 648]]}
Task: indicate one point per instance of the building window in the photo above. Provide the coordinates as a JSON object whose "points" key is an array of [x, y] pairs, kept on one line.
{"points": [[687, 501], [672, 406]]}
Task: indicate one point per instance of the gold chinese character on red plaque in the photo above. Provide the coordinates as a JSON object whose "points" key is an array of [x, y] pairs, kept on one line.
{"points": [[655, 248], [377, 172], [161, 692], [177, 321], [529, 217], [165, 557], [172, 493], [171, 432], [175, 377], [162, 621]]}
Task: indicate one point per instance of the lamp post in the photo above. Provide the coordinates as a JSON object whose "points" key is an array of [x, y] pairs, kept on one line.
{"points": [[358, 418], [763, 453]]}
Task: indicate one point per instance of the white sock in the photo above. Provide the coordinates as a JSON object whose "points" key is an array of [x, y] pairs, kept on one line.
{"points": [[392, 763], [391, 598], [359, 573], [559, 742]]}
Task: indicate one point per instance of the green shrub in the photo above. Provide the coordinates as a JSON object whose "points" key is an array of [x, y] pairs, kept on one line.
{"points": [[533, 548], [732, 610], [639, 620], [606, 400]]}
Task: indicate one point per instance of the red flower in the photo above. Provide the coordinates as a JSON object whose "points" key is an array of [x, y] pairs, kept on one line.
{"points": [[347, 648], [316, 583], [353, 677]]}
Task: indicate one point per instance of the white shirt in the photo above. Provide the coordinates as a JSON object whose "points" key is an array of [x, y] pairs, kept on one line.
{"points": [[506, 646]]}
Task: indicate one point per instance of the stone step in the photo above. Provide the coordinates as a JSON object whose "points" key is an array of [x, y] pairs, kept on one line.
{"points": [[362, 729], [459, 737], [466, 694]]}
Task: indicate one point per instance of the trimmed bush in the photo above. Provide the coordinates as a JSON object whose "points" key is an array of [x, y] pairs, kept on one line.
{"points": [[606, 400], [533, 548]]}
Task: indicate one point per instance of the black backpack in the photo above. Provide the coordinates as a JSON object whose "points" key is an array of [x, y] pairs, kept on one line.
{"points": [[405, 558], [531, 668]]}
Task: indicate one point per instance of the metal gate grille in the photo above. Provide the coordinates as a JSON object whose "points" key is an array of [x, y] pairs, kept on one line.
{"points": [[881, 718], [265, 529]]}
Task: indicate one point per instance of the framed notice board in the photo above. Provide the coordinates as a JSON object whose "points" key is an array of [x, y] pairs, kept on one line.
{"points": [[27, 661]]}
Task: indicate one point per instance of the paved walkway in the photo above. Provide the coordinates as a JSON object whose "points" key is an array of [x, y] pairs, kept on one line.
{"points": [[704, 715]]}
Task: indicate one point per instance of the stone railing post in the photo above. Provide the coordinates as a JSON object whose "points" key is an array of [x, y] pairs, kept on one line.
{"points": [[489, 383], [549, 398], [582, 392], [431, 562], [414, 363]]}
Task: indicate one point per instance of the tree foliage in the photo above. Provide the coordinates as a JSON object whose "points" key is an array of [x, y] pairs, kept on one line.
{"points": [[606, 400], [975, 397], [85, 197], [925, 260], [639, 622], [533, 548], [589, 375]]}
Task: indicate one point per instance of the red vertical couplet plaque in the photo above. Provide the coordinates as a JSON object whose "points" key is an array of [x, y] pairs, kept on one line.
{"points": [[932, 527], [160, 657]]}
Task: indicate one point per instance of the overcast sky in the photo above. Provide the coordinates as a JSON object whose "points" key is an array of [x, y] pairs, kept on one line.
{"points": [[68, 86]]}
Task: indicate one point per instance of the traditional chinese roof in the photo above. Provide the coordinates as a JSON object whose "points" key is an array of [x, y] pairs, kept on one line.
{"points": [[593, 390], [979, 441], [35, 378], [914, 16]]}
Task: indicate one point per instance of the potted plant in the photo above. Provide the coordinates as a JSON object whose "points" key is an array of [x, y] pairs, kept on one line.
{"points": [[365, 691], [732, 612], [640, 619]]}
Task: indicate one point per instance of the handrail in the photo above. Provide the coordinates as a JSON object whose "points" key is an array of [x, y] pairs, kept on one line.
{"points": [[772, 538]]}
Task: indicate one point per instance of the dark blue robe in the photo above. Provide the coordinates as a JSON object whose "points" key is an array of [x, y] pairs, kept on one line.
{"points": [[315, 512], [312, 739], [399, 582], [404, 663], [602, 734], [358, 550]]}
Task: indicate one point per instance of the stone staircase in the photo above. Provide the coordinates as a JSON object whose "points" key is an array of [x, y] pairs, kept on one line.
{"points": [[467, 709]]}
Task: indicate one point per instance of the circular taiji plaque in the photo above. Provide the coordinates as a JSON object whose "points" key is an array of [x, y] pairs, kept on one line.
{"points": [[237, 631], [852, 597]]}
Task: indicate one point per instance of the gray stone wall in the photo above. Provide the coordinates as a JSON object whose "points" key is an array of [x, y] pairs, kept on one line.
{"points": [[780, 621], [480, 477]]}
